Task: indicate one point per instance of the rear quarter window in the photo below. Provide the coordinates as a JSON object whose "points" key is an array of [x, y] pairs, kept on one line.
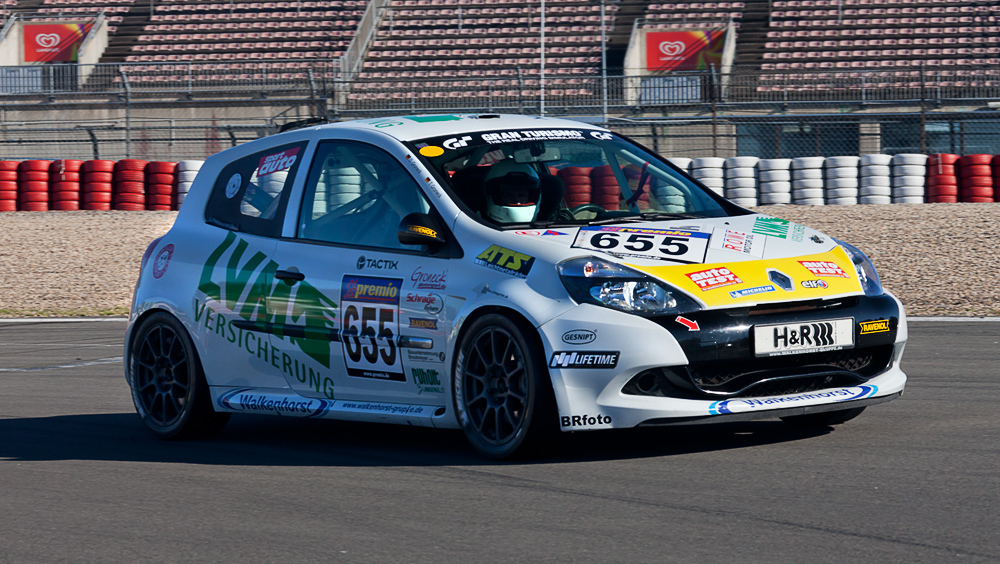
{"points": [[250, 194]]}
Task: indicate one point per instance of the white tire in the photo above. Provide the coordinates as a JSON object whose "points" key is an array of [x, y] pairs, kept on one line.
{"points": [[876, 170], [707, 173], [808, 194], [842, 172], [741, 172], [908, 200], [184, 186], [842, 201], [900, 181], [876, 181], [716, 190], [836, 193], [674, 201], [336, 200], [774, 164], [875, 191], [187, 175], [908, 192], [734, 193], [741, 162], [715, 184], [909, 159], [909, 170], [842, 183], [878, 200], [775, 188], [807, 173], [189, 165], [775, 175], [808, 162], [741, 183], [682, 163], [809, 202], [833, 162], [876, 159], [744, 202], [708, 162], [808, 183], [180, 198], [775, 198]]}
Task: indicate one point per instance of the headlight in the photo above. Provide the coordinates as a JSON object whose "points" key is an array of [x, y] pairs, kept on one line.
{"points": [[598, 282], [866, 270]]}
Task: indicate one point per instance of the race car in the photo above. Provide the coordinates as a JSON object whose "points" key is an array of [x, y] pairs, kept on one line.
{"points": [[512, 276]]}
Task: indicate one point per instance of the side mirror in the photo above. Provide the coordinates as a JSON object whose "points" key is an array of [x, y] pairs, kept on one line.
{"points": [[420, 229]]}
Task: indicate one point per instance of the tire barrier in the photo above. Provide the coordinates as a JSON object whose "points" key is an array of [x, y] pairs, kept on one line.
{"points": [[807, 181], [740, 184], [975, 178], [773, 191], [33, 185], [128, 190], [909, 175], [64, 185], [709, 171], [942, 178], [96, 189], [875, 180], [841, 180], [8, 186], [186, 173], [578, 188], [161, 180]]}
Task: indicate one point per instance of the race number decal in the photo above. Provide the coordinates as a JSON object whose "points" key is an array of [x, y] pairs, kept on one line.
{"points": [[658, 244], [369, 326]]}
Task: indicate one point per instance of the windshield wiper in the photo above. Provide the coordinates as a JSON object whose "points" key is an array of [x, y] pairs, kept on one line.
{"points": [[666, 215], [621, 218]]}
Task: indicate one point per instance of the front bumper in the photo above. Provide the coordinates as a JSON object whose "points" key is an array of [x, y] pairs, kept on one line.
{"points": [[711, 373]]}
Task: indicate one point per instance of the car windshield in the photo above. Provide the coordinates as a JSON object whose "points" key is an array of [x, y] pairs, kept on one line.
{"points": [[543, 177]]}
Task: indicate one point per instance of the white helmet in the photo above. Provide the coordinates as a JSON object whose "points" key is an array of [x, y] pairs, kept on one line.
{"points": [[512, 192]]}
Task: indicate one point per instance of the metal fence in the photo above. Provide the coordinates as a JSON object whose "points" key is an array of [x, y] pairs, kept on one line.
{"points": [[173, 110]]}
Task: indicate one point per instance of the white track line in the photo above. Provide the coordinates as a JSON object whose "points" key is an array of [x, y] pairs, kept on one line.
{"points": [[955, 319], [77, 365]]}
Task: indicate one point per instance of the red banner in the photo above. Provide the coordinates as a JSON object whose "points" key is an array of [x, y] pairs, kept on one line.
{"points": [[684, 50], [53, 42]]}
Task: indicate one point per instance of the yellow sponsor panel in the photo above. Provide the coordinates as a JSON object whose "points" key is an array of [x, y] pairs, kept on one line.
{"points": [[740, 283], [877, 326]]}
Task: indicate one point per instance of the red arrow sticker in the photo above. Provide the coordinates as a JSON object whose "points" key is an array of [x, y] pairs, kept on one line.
{"points": [[691, 325]]}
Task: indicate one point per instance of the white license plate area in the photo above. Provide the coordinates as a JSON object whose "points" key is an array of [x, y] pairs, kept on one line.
{"points": [[801, 338]]}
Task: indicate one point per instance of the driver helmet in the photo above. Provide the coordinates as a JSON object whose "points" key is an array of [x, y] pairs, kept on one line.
{"points": [[512, 192]]}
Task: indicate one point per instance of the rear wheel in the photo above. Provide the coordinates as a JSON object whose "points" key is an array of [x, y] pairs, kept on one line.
{"points": [[168, 386], [823, 419], [502, 392]]}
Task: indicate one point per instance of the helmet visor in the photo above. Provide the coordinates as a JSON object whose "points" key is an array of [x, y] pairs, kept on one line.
{"points": [[513, 190]]}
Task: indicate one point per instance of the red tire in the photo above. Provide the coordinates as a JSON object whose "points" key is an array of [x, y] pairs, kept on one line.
{"points": [[575, 171], [129, 176], [976, 192], [44, 197], [60, 186], [8, 186], [98, 176], [98, 206], [978, 200], [943, 200], [65, 196], [102, 187], [97, 198], [33, 176], [974, 181], [35, 206], [27, 166], [578, 192], [64, 177], [159, 178], [129, 198], [130, 188], [940, 170], [9, 165], [65, 165], [130, 207], [160, 189], [159, 200], [942, 158], [131, 164], [66, 205], [158, 167], [8, 175], [33, 187], [8, 205], [948, 190], [975, 170], [942, 181], [971, 160], [99, 166], [8, 195]]}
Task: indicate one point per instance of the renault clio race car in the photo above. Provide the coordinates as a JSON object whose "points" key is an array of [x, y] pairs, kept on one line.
{"points": [[511, 276]]}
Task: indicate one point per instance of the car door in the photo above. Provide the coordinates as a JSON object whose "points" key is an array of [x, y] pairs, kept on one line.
{"points": [[368, 309], [245, 211]]}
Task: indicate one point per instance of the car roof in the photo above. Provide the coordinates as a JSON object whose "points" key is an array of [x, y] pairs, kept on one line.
{"points": [[411, 128]]}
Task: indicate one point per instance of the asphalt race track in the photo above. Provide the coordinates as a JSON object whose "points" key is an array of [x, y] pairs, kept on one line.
{"points": [[915, 480]]}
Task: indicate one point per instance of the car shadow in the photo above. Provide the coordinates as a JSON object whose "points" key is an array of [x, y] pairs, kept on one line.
{"points": [[275, 441]]}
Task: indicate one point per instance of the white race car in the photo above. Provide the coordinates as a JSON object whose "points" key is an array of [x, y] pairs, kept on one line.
{"points": [[512, 276]]}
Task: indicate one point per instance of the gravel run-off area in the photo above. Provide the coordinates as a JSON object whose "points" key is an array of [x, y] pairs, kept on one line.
{"points": [[939, 259]]}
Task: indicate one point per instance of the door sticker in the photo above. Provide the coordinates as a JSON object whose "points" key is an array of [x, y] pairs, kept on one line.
{"points": [[370, 324]]}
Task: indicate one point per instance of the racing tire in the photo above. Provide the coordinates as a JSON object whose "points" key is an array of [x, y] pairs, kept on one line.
{"points": [[504, 400], [808, 162], [103, 177], [159, 178], [169, 389], [740, 172], [807, 174], [98, 166], [65, 205], [9, 165], [824, 419], [875, 160], [161, 167], [131, 165], [774, 164]]}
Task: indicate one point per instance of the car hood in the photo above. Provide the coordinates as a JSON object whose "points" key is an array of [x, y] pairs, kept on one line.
{"points": [[723, 262]]}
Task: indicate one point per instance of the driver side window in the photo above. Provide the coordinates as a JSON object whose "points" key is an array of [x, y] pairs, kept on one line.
{"points": [[356, 195]]}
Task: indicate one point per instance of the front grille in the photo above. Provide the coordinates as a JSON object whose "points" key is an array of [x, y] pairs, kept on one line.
{"points": [[765, 376]]}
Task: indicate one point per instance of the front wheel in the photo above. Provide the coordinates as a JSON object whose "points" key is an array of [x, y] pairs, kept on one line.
{"points": [[168, 386], [823, 419], [502, 393]]}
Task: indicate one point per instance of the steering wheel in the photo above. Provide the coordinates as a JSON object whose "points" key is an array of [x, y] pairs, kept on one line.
{"points": [[598, 210]]}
